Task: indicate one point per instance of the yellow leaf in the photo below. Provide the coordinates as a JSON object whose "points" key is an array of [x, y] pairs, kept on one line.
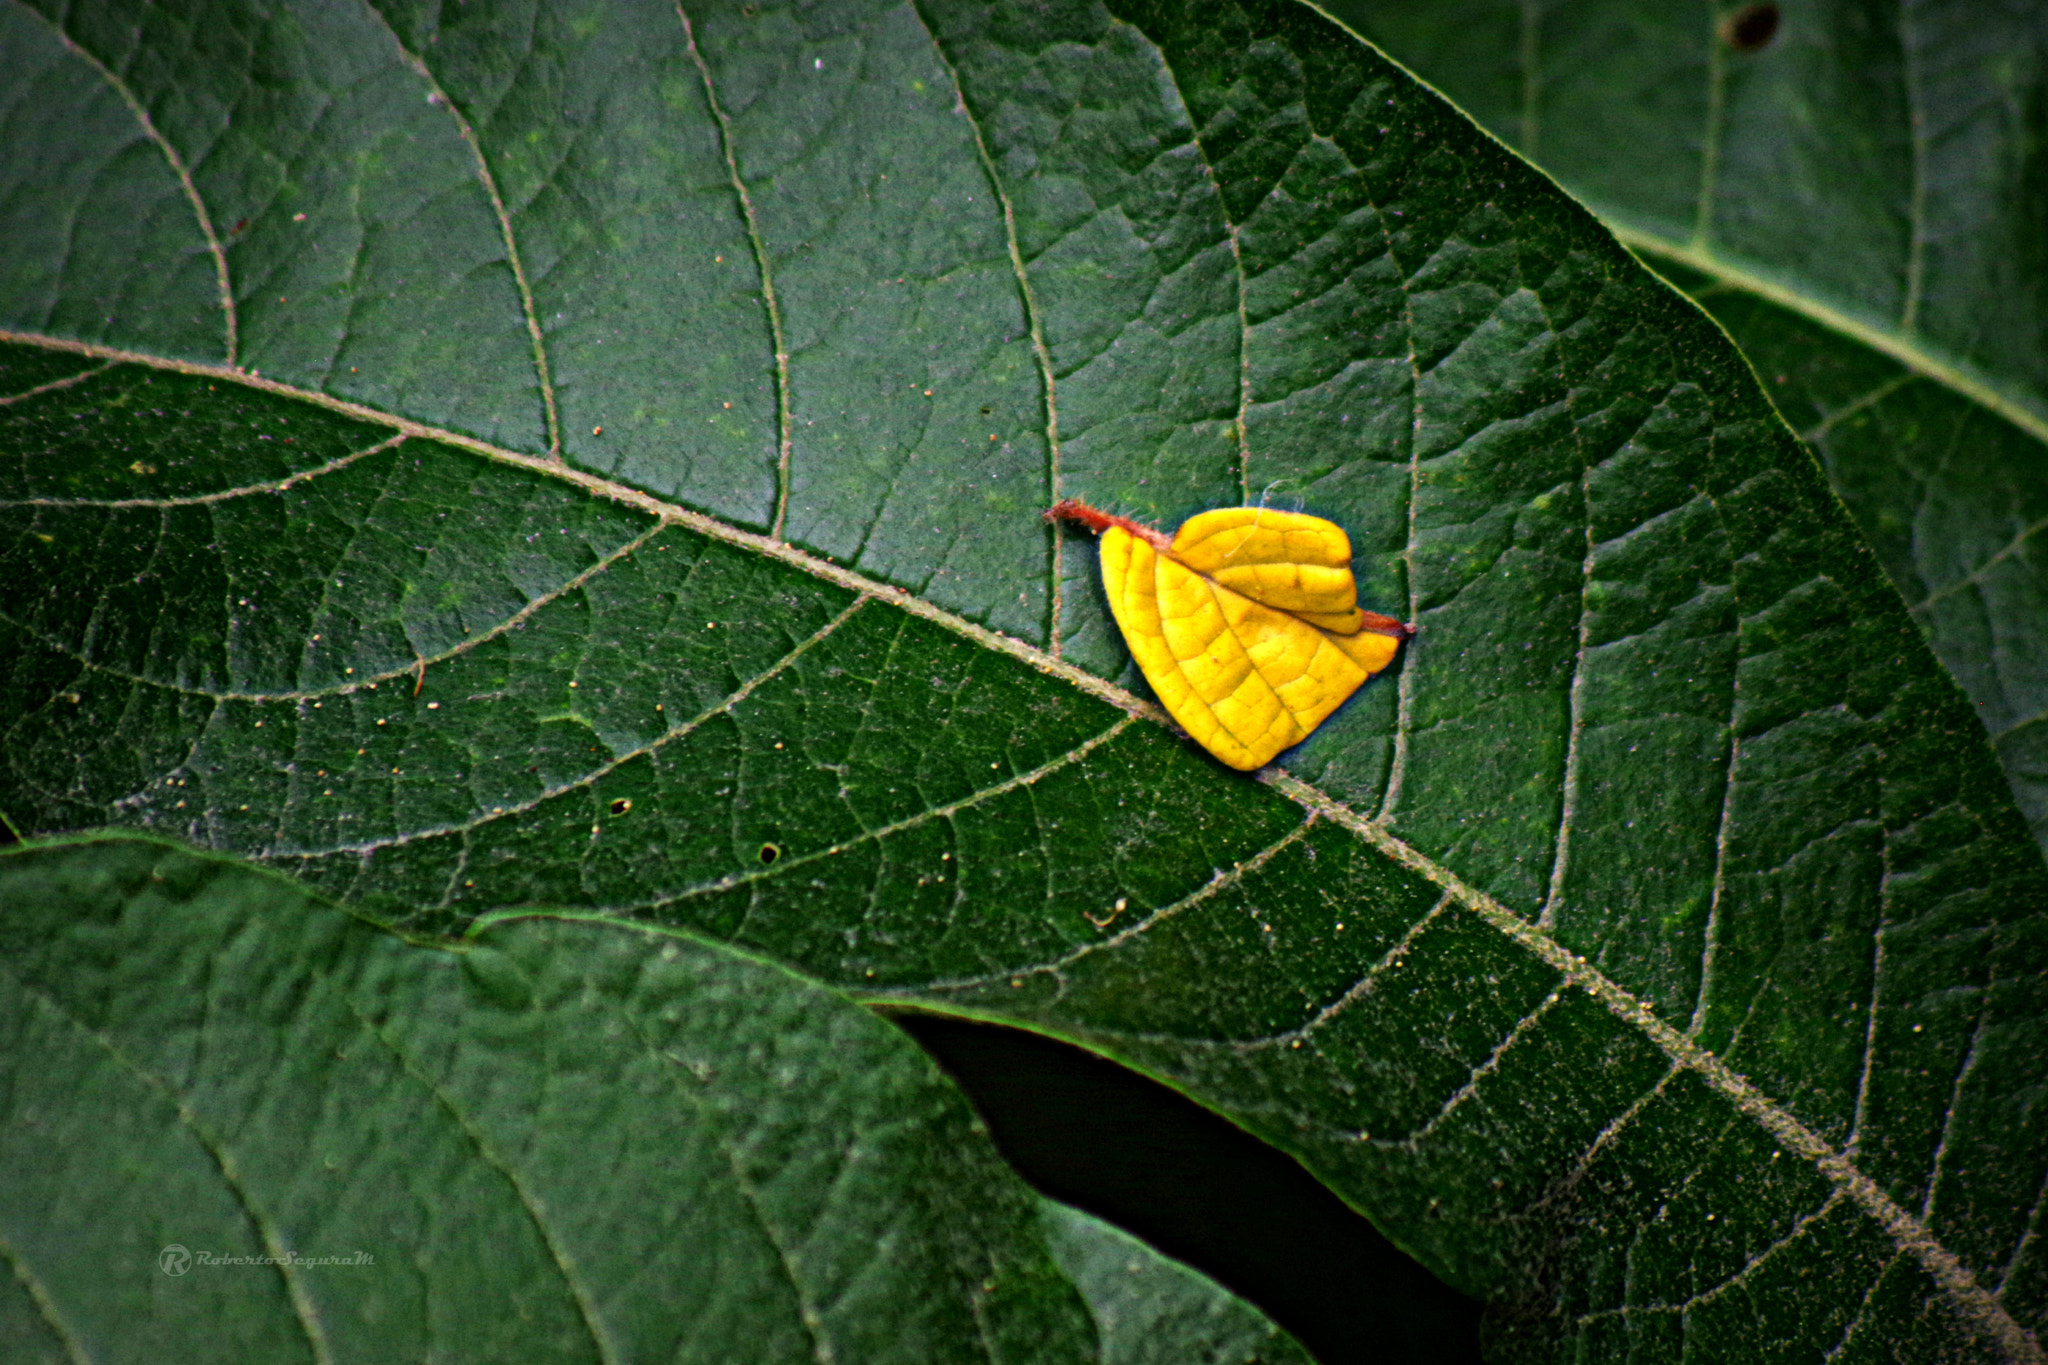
{"points": [[1246, 622]]}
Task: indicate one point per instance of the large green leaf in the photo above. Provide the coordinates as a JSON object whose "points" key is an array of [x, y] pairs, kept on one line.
{"points": [[1657, 953], [250, 1127], [1860, 194], [1953, 497]]}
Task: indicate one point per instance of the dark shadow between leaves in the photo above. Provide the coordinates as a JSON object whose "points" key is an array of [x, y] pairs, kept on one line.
{"points": [[1105, 1139]]}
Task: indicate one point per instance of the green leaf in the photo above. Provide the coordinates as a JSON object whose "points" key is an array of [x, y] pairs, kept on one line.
{"points": [[257, 1128], [1656, 952], [1861, 202], [1148, 1308], [1881, 163]]}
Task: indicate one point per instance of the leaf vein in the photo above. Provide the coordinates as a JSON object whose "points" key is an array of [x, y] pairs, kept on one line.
{"points": [[769, 304], [55, 384], [1733, 1281], [1856, 1319], [282, 485], [784, 866], [186, 183], [304, 1312], [503, 215], [1362, 987], [590, 778], [1955, 1094], [1220, 880], [586, 1305], [1230, 228], [1908, 353], [1909, 1233], [45, 1302], [1034, 323]]}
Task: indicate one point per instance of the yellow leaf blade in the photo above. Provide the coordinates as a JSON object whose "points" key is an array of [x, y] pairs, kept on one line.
{"points": [[1288, 560], [1243, 678]]}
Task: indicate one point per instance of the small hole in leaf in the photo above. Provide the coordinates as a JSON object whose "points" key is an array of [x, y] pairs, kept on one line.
{"points": [[622, 805], [1751, 28], [986, 411], [769, 853]]}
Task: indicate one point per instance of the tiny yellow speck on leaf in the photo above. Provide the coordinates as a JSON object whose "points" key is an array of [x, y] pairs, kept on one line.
{"points": [[1246, 622]]}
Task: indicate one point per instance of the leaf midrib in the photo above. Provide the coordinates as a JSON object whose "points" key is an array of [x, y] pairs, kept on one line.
{"points": [[1907, 1232], [1918, 360]]}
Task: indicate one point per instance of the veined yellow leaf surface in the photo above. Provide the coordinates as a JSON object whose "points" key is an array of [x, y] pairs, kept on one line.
{"points": [[1246, 623]]}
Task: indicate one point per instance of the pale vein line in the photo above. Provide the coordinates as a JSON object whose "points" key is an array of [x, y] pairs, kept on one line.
{"points": [[667, 513], [66, 382], [1710, 141], [1568, 804], [283, 485], [1916, 210], [1976, 576], [1416, 1137], [1710, 934], [185, 181], [1404, 681], [1244, 377], [1885, 342], [1363, 987], [1733, 1281], [1575, 730], [304, 1309], [1220, 881], [2027, 1238], [1815, 434], [369, 682], [1034, 322], [806, 1311], [1860, 1116], [1172, 85], [458, 866], [1907, 1231], [1862, 1311], [981, 1304], [589, 779], [1244, 365], [504, 216], [1606, 1137], [529, 1202], [722, 1137], [46, 1304], [924, 817], [784, 423], [1955, 1098]]}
